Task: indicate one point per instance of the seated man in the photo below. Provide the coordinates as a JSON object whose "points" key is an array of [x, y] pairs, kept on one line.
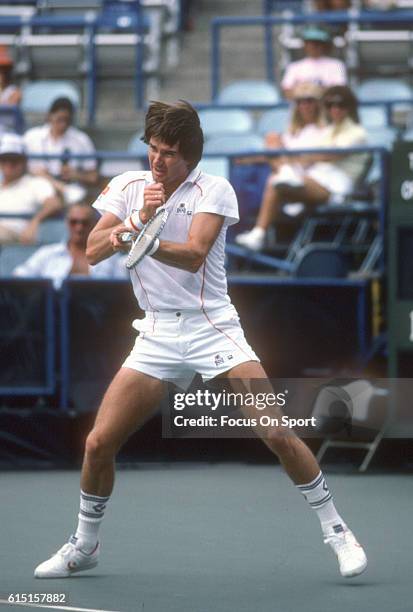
{"points": [[68, 258], [22, 194]]}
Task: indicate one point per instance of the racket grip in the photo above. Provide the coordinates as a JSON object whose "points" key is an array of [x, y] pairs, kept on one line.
{"points": [[126, 237]]}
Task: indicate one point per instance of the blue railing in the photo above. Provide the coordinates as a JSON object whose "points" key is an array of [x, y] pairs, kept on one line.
{"points": [[268, 22], [388, 105]]}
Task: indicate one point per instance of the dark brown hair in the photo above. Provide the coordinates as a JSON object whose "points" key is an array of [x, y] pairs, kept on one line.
{"points": [[62, 104], [346, 96], [176, 123]]}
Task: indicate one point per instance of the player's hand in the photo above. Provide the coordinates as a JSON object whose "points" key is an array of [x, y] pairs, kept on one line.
{"points": [[117, 244], [153, 198]]}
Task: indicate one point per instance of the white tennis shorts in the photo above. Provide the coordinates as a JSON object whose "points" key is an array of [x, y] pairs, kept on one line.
{"points": [[173, 345]]}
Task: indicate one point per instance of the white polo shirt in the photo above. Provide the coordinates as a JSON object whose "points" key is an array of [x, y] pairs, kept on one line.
{"points": [[158, 286], [38, 140], [55, 261], [23, 197], [324, 71], [307, 137]]}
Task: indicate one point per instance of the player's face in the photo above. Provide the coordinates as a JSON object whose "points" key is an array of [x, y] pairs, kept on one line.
{"points": [[166, 163]]}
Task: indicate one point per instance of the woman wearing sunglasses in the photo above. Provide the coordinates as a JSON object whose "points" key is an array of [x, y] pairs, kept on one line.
{"points": [[316, 178]]}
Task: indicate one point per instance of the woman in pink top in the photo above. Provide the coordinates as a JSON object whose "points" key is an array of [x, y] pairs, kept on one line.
{"points": [[317, 65]]}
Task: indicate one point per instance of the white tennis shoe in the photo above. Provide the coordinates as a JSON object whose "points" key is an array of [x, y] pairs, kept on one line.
{"points": [[253, 240], [351, 557], [67, 561]]}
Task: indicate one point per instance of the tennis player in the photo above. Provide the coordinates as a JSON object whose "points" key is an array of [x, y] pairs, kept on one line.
{"points": [[189, 326]]}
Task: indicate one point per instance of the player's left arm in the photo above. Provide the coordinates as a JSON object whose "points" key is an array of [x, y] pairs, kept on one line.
{"points": [[190, 255]]}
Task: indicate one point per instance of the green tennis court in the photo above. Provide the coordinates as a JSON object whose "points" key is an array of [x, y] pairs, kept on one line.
{"points": [[210, 538]]}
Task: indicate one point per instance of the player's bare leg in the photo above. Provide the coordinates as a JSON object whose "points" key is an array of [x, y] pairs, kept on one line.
{"points": [[130, 399], [303, 469], [295, 456]]}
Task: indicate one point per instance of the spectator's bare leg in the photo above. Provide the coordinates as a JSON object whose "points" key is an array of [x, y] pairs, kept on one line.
{"points": [[270, 205], [275, 197]]}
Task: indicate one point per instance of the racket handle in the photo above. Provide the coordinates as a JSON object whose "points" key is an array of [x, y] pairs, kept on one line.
{"points": [[126, 237]]}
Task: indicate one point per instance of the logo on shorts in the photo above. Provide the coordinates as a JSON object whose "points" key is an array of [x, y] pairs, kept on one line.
{"points": [[230, 356], [219, 360], [181, 210]]}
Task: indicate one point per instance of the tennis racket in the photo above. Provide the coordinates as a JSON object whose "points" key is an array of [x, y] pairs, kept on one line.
{"points": [[144, 240]]}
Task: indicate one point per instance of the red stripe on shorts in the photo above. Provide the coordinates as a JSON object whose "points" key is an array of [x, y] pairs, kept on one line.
{"points": [[221, 331]]}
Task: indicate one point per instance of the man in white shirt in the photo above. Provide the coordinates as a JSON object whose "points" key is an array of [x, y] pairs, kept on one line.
{"points": [[68, 258], [190, 326], [71, 177], [317, 66], [25, 200]]}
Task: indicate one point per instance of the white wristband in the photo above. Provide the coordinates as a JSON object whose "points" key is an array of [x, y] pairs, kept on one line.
{"points": [[154, 247], [133, 222]]}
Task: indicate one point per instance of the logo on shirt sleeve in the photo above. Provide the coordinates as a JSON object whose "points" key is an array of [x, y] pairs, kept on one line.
{"points": [[104, 192]]}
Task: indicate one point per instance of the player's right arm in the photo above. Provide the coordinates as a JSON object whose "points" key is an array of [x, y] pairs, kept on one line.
{"points": [[113, 205]]}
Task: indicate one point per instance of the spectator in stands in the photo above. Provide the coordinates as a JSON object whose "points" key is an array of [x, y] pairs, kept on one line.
{"points": [[319, 177], [9, 94], [70, 177], [68, 258], [332, 5], [306, 123], [380, 5], [22, 195], [317, 65]]}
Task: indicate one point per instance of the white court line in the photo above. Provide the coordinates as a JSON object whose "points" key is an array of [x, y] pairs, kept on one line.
{"points": [[35, 605]]}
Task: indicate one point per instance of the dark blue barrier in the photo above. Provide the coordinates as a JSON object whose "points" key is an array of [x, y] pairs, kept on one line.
{"points": [[299, 327], [95, 338], [309, 327], [27, 342]]}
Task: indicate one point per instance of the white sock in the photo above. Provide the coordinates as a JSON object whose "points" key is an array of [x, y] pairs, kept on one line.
{"points": [[320, 499], [92, 509]]}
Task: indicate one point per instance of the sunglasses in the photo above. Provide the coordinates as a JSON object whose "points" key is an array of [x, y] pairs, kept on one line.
{"points": [[337, 103], [83, 222], [307, 100]]}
